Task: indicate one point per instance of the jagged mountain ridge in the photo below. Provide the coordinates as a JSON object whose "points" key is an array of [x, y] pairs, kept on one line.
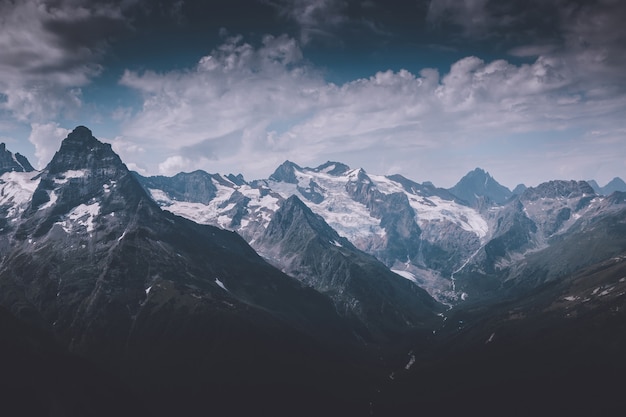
{"points": [[479, 184], [416, 229], [544, 234], [92, 259], [385, 305], [424, 233], [616, 184], [57, 245]]}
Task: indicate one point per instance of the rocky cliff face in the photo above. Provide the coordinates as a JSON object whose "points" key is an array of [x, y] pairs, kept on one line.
{"points": [[10, 162], [100, 284], [382, 305], [94, 260], [194, 187], [477, 184], [423, 231]]}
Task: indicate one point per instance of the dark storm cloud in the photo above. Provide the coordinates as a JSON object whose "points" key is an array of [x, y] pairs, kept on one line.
{"points": [[50, 49], [316, 18], [348, 21], [61, 34], [595, 35]]}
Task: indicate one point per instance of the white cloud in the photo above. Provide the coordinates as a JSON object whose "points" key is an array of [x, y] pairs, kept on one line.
{"points": [[247, 109], [47, 139], [177, 163]]}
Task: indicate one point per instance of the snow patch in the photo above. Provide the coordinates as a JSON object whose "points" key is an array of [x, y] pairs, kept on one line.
{"points": [[606, 292], [405, 274], [410, 363], [16, 190], [221, 284], [82, 215], [53, 199], [67, 175], [159, 196]]}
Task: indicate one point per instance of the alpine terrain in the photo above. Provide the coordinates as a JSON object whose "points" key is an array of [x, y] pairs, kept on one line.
{"points": [[315, 291]]}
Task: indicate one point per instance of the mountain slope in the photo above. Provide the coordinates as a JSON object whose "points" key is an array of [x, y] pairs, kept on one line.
{"points": [[549, 231], [385, 304], [157, 298], [40, 378], [420, 230], [556, 351]]}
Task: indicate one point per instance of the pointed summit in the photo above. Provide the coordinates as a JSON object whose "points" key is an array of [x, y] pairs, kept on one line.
{"points": [[478, 183], [362, 288], [81, 150], [286, 173], [85, 178]]}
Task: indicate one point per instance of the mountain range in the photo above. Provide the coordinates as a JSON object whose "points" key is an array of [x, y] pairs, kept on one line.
{"points": [[316, 291]]}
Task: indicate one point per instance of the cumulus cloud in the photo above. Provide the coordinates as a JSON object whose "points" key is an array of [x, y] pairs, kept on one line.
{"points": [[49, 50], [46, 138], [236, 88], [256, 106]]}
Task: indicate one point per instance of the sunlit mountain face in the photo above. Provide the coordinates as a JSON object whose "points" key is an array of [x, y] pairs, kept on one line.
{"points": [[296, 207]]}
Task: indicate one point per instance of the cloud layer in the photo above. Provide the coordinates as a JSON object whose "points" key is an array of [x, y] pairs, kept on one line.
{"points": [[553, 100], [251, 108]]}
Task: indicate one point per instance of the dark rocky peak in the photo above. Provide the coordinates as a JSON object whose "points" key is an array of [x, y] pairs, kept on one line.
{"points": [[295, 220], [13, 162], [362, 288], [286, 172], [557, 189], [333, 168], [83, 172], [82, 151], [478, 183]]}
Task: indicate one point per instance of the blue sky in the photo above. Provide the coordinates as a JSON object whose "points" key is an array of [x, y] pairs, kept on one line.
{"points": [[528, 90]]}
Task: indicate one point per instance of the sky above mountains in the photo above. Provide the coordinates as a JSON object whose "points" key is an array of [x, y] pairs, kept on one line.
{"points": [[529, 90]]}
